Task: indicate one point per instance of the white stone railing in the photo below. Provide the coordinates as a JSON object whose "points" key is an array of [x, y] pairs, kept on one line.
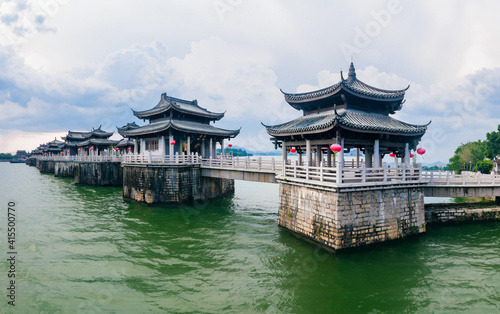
{"points": [[343, 175], [83, 158], [448, 178], [243, 163], [162, 159]]}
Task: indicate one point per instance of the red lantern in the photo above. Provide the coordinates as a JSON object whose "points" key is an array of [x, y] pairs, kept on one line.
{"points": [[230, 145], [335, 148], [392, 155], [293, 150], [411, 155], [79, 149], [62, 153], [172, 142], [92, 148], [129, 148], [421, 151]]}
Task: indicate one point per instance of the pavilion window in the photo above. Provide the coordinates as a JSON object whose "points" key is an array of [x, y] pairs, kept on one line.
{"points": [[152, 144]]}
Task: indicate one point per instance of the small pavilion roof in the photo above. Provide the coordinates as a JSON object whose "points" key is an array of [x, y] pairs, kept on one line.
{"points": [[128, 126], [351, 85], [190, 107], [81, 136], [98, 142], [185, 126], [357, 120], [124, 142]]}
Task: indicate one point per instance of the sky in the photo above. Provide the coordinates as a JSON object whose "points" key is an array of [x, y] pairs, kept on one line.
{"points": [[74, 65]]}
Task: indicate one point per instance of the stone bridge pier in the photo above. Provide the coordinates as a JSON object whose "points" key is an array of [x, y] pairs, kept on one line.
{"points": [[347, 217]]}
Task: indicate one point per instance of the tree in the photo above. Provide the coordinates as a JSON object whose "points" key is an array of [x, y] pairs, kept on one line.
{"points": [[493, 143], [467, 156], [483, 166]]}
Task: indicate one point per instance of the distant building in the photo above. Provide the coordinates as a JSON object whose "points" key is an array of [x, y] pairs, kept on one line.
{"points": [[177, 126], [21, 154], [94, 141]]}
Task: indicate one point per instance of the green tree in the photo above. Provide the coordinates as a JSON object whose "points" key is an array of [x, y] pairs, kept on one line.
{"points": [[484, 166], [493, 143], [467, 156]]}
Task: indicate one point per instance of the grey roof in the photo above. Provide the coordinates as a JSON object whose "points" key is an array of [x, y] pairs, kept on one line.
{"points": [[124, 142], [128, 126], [81, 136], [98, 141], [349, 119], [186, 106], [185, 126], [351, 84]]}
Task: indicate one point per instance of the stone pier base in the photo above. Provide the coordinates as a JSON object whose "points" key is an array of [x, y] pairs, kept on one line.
{"points": [[45, 166], [98, 173], [339, 218], [65, 169], [171, 184]]}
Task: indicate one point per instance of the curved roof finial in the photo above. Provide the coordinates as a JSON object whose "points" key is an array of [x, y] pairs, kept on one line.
{"points": [[352, 72]]}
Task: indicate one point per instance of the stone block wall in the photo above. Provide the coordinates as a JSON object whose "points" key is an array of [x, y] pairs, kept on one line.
{"points": [[171, 184], [65, 169], [459, 213], [98, 173], [45, 166], [340, 219]]}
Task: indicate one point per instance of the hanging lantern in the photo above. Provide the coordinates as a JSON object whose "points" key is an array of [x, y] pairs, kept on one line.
{"points": [[62, 153], [92, 148], [129, 149], [79, 149], [293, 150], [421, 151], [411, 155], [230, 145], [392, 155], [335, 148]]}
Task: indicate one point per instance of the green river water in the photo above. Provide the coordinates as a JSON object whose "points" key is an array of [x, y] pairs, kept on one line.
{"points": [[82, 249]]}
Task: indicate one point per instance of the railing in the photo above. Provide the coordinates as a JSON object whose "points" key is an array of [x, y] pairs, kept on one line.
{"points": [[83, 158], [243, 163], [469, 179], [341, 175], [162, 159]]}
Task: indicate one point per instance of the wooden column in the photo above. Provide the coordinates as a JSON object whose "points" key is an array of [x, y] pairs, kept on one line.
{"points": [[299, 154], [329, 157], [283, 154], [308, 153], [162, 146], [210, 150], [222, 147], [171, 148], [203, 148], [318, 156], [136, 146], [376, 154], [357, 157], [407, 155], [189, 145]]}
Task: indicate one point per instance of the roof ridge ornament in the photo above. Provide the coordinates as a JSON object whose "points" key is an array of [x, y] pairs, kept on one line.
{"points": [[352, 72]]}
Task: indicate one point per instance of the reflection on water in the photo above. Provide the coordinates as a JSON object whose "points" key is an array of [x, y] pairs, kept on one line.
{"points": [[84, 249]]}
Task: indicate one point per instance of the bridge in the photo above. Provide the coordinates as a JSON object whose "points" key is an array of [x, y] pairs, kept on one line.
{"points": [[340, 175]]}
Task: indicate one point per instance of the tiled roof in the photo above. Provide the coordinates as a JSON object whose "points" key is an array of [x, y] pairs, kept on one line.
{"points": [[98, 141], [125, 142], [186, 126], [128, 126], [186, 106], [355, 119], [351, 84]]}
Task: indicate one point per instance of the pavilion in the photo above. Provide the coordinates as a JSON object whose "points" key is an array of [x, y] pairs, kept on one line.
{"points": [[92, 142], [351, 114], [177, 126]]}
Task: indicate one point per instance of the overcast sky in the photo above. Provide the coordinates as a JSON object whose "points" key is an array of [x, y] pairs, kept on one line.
{"points": [[73, 65]]}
